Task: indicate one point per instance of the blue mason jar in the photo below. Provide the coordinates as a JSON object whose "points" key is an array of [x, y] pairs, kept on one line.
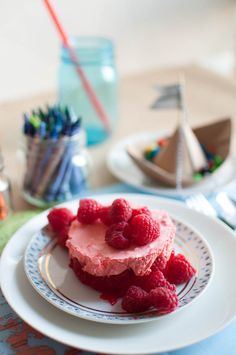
{"points": [[96, 57]]}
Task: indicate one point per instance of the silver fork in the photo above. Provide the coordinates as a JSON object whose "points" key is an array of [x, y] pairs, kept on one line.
{"points": [[228, 208], [200, 203]]}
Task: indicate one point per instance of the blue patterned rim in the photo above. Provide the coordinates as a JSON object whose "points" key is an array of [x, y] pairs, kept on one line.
{"points": [[187, 240]]}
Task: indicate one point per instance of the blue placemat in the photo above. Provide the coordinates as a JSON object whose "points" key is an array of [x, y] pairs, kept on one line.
{"points": [[16, 337]]}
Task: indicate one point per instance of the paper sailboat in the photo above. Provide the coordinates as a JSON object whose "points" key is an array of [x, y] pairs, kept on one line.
{"points": [[165, 166], [189, 156]]}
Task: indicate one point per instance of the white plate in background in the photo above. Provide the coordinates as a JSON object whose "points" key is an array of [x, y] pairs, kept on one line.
{"points": [[122, 167]]}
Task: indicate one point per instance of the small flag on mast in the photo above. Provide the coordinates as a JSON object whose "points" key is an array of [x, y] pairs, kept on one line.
{"points": [[170, 97]]}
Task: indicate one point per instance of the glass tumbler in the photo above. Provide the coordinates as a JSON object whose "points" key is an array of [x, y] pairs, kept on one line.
{"points": [[96, 57]]}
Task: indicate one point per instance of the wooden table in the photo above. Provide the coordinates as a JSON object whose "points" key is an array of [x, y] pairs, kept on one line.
{"points": [[208, 97]]}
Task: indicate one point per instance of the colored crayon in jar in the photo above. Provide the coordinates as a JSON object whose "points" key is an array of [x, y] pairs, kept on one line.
{"points": [[57, 163]]}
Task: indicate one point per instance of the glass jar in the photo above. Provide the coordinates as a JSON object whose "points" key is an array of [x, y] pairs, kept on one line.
{"points": [[56, 170], [5, 193], [96, 57]]}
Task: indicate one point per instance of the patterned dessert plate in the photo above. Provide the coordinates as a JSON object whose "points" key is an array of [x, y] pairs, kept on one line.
{"points": [[46, 266]]}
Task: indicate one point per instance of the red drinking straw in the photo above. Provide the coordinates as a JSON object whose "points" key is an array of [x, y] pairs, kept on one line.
{"points": [[73, 56]]}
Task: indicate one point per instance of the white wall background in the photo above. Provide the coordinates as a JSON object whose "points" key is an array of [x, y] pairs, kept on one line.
{"points": [[147, 34]]}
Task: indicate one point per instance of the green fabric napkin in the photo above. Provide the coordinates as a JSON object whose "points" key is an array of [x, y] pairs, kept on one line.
{"points": [[13, 223]]}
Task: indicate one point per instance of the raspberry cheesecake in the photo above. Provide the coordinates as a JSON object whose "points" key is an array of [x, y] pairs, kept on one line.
{"points": [[123, 251], [87, 244]]}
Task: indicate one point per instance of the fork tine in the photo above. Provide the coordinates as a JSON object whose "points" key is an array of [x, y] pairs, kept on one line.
{"points": [[192, 203], [225, 203], [207, 206], [201, 204]]}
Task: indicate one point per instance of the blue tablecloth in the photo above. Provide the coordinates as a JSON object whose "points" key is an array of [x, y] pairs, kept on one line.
{"points": [[16, 337]]}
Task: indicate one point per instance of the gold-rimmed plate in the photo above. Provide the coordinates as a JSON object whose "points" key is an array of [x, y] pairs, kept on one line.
{"points": [[47, 268]]}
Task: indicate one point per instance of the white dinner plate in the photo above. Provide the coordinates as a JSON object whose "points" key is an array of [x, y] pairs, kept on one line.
{"points": [[122, 167], [47, 268], [208, 315]]}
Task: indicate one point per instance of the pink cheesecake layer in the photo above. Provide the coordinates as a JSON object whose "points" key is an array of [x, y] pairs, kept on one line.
{"points": [[87, 244]]}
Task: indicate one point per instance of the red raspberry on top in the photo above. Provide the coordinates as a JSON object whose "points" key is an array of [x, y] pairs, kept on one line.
{"points": [[141, 210], [179, 270], [163, 299], [115, 236], [135, 300], [143, 229], [59, 218], [154, 280], [88, 211], [104, 215], [120, 211]]}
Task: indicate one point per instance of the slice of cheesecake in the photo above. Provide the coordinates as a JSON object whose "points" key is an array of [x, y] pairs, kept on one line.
{"points": [[86, 244]]}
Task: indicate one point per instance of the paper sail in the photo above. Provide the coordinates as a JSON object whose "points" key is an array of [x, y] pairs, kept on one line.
{"points": [[169, 97], [163, 168]]}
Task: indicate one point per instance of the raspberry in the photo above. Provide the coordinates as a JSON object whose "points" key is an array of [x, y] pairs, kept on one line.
{"points": [[59, 218], [88, 211], [135, 300], [115, 236], [120, 211], [168, 262], [104, 215], [163, 299], [141, 210], [179, 270], [154, 280], [143, 229], [159, 264]]}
